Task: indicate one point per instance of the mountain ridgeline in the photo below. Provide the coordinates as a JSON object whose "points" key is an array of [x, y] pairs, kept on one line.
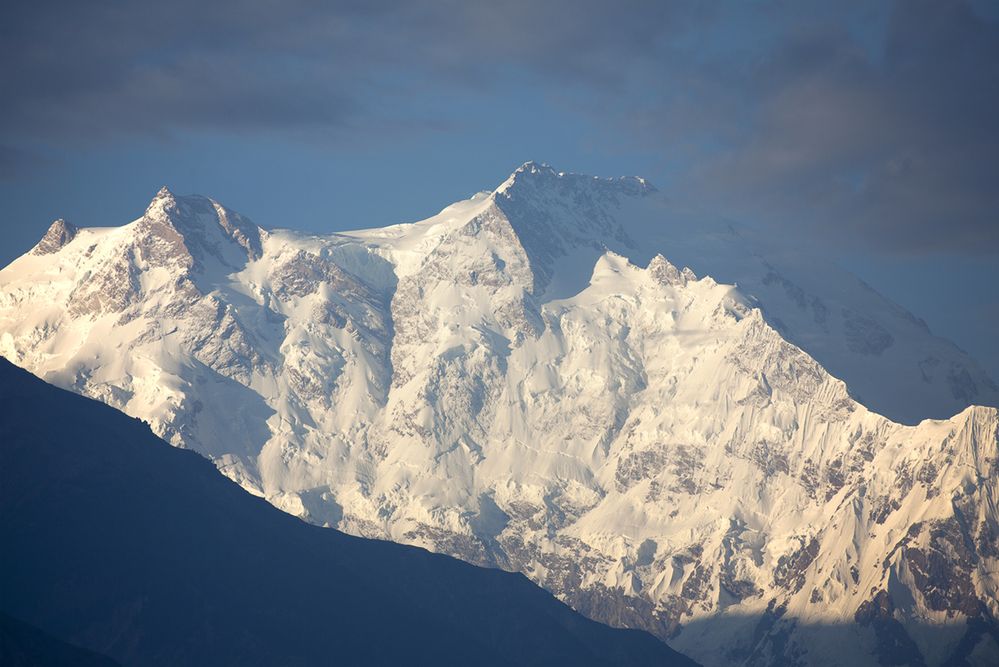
{"points": [[118, 543], [666, 421]]}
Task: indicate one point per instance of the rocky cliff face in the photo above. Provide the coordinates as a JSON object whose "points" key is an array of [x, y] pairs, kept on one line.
{"points": [[529, 380], [59, 234]]}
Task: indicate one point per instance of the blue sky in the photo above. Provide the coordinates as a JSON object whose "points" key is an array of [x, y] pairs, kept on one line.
{"points": [[867, 128]]}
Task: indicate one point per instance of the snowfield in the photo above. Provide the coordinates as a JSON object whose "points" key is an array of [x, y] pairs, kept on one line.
{"points": [[667, 422]]}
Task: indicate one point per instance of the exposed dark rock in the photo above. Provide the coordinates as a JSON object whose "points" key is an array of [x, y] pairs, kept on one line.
{"points": [[791, 569], [942, 569], [962, 386], [793, 292], [894, 645], [770, 458], [638, 466], [864, 335], [59, 234], [666, 273]]}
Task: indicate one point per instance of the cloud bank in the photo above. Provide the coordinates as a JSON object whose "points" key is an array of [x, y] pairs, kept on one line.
{"points": [[871, 126]]}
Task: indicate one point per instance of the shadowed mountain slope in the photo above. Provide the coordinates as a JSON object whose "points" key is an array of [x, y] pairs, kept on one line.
{"points": [[119, 543], [22, 645]]}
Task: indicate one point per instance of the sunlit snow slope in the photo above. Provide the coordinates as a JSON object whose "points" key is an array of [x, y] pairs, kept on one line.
{"points": [[528, 380]]}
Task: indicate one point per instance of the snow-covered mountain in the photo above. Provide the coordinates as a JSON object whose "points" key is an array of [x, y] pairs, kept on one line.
{"points": [[528, 380]]}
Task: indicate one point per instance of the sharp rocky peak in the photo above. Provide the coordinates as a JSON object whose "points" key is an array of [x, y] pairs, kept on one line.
{"points": [[167, 206], [666, 273], [58, 235], [200, 224]]}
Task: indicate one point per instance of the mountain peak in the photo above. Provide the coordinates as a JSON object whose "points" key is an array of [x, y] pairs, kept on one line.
{"points": [[202, 225], [58, 235], [540, 175], [533, 167], [666, 273], [164, 195], [530, 170], [161, 203]]}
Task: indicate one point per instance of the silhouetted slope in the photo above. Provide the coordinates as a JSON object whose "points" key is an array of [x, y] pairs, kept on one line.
{"points": [[22, 645], [117, 542]]}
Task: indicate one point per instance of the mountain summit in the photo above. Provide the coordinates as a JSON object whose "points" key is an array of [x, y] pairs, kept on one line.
{"points": [[59, 234], [658, 417]]}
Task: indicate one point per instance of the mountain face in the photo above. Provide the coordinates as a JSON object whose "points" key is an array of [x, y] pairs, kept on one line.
{"points": [[116, 542], [529, 380]]}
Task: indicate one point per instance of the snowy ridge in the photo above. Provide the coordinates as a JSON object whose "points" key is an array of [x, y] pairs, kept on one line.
{"points": [[659, 449]]}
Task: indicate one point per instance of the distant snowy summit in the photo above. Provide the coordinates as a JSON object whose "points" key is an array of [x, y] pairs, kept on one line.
{"points": [[663, 419]]}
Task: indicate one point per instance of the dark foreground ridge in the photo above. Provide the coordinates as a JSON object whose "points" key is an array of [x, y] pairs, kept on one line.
{"points": [[22, 645], [117, 543]]}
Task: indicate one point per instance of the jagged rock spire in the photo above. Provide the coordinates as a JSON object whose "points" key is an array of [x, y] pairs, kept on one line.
{"points": [[162, 200], [663, 271], [58, 235]]}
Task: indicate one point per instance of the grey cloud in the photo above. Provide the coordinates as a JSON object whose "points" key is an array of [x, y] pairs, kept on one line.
{"points": [[896, 149], [851, 121], [88, 69]]}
